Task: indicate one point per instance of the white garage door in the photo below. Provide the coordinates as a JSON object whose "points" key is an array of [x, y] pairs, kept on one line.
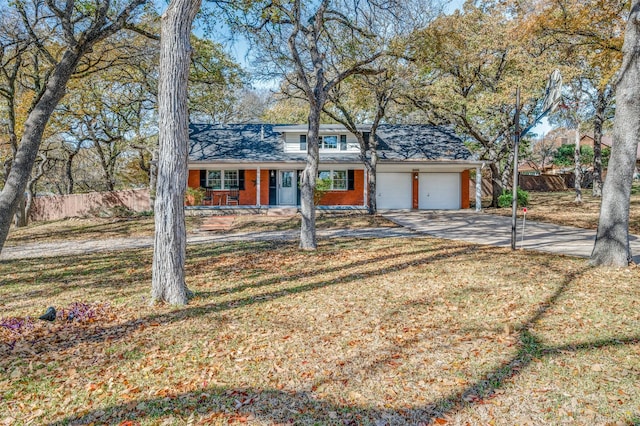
{"points": [[439, 191], [393, 191]]}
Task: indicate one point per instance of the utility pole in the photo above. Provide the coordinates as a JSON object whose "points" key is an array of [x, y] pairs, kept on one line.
{"points": [[514, 188]]}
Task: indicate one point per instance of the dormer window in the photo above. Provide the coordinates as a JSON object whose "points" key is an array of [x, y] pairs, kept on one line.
{"points": [[343, 142], [331, 141], [328, 142]]}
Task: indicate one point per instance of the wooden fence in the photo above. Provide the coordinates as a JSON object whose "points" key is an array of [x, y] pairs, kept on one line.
{"points": [[486, 188], [543, 183], [90, 204]]}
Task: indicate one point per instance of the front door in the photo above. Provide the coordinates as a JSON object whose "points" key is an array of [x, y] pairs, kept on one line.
{"points": [[287, 189]]}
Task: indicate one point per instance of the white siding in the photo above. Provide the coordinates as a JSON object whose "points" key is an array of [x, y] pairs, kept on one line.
{"points": [[292, 142]]}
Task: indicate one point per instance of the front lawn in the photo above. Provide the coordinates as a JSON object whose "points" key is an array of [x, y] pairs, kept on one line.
{"points": [[560, 208], [389, 331], [142, 226]]}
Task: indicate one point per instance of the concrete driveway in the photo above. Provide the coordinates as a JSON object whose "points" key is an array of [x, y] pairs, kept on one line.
{"points": [[481, 228]]}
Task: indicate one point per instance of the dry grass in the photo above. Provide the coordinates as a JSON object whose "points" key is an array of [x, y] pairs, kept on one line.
{"points": [[325, 220], [87, 229], [101, 228], [560, 208], [387, 331]]}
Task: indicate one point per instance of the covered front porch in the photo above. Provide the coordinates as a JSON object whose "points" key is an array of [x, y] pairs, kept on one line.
{"points": [[239, 187]]}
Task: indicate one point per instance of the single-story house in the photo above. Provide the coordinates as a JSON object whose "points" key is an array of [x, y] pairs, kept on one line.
{"points": [[419, 166]]}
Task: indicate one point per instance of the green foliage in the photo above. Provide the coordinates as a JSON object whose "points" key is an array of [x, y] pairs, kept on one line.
{"points": [[506, 198], [322, 187], [194, 196], [606, 153], [469, 65], [564, 155], [215, 82]]}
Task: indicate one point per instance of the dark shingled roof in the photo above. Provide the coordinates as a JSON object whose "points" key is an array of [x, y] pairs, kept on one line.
{"points": [[419, 142], [242, 142], [259, 143]]}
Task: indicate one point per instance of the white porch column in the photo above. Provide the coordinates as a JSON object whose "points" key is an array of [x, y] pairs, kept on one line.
{"points": [[258, 187], [478, 188]]}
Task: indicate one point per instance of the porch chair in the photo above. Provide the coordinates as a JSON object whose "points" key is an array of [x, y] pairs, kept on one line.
{"points": [[233, 196], [208, 198]]}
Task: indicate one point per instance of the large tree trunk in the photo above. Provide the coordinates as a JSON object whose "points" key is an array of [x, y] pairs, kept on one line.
{"points": [[496, 184], [34, 126], [20, 218], [373, 166], [577, 171], [612, 239], [308, 239], [168, 277], [601, 105], [153, 178], [372, 181]]}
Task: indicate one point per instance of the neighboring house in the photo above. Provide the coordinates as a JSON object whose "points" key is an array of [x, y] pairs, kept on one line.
{"points": [[543, 149], [588, 139], [419, 167], [607, 142]]}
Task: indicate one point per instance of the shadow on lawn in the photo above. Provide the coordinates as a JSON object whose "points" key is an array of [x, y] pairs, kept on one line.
{"points": [[328, 270], [279, 406], [55, 275], [122, 330], [298, 407], [114, 228]]}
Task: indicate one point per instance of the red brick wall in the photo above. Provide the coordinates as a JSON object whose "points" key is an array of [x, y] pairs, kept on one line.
{"points": [[248, 195], [354, 197], [464, 181], [264, 187], [194, 179]]}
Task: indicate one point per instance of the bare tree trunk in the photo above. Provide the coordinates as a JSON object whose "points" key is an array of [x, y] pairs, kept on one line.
{"points": [[308, 239], [496, 184], [34, 127], [612, 239], [20, 218], [153, 178], [601, 106], [372, 178], [168, 277], [577, 172], [31, 186], [383, 101], [68, 169]]}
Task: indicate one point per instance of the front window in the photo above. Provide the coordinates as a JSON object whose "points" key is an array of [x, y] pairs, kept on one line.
{"points": [[214, 179], [339, 179], [230, 179], [222, 179], [336, 178]]}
